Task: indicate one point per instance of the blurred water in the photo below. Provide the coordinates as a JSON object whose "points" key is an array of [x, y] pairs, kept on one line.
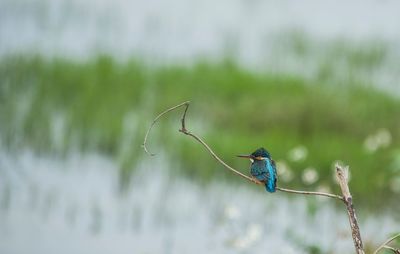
{"points": [[181, 29], [75, 205], [311, 38]]}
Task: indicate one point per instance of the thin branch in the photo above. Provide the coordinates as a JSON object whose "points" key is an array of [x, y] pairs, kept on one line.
{"points": [[251, 179], [186, 103], [311, 193], [395, 251], [184, 131], [386, 243]]}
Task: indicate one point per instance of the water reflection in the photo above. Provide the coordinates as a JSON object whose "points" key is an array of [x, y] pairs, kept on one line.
{"points": [[75, 205]]}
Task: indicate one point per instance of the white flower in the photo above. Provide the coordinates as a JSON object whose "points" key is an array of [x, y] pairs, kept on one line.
{"points": [[232, 212], [299, 153], [380, 139], [310, 176]]}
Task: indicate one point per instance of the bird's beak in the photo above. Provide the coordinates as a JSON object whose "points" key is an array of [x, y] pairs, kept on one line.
{"points": [[245, 156]]}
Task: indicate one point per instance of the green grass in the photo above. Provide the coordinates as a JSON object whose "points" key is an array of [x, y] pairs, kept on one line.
{"points": [[106, 106]]}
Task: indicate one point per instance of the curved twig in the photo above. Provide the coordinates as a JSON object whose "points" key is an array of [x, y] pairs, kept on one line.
{"points": [[186, 103], [198, 139], [386, 243]]}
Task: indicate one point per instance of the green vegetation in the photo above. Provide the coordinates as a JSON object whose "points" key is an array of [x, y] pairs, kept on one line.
{"points": [[57, 105]]}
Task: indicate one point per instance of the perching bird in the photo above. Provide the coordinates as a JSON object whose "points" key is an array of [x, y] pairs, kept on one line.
{"points": [[263, 168]]}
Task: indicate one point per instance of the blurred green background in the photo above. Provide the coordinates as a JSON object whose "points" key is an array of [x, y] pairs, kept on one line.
{"points": [[107, 105], [315, 83]]}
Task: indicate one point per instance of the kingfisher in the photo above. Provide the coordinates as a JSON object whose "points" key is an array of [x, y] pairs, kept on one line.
{"points": [[263, 168]]}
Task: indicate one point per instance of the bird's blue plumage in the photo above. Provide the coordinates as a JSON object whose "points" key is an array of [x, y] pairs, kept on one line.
{"points": [[264, 169], [270, 184]]}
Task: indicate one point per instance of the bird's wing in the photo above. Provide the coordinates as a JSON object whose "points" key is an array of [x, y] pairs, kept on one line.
{"points": [[259, 172]]}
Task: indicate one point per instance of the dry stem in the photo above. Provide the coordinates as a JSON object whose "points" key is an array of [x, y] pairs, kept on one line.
{"points": [[342, 177]]}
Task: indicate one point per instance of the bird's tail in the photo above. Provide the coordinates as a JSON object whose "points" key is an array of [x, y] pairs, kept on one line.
{"points": [[270, 186]]}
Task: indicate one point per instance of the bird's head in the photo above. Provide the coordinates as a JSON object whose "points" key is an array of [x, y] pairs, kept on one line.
{"points": [[257, 155]]}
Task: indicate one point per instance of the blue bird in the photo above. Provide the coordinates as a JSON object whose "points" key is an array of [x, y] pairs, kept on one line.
{"points": [[263, 168]]}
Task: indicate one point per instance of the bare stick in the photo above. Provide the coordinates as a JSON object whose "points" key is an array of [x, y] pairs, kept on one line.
{"points": [[342, 177], [186, 103], [311, 193], [386, 243], [186, 132], [251, 179]]}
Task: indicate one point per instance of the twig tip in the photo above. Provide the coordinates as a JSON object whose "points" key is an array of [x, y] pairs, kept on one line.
{"points": [[147, 151]]}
